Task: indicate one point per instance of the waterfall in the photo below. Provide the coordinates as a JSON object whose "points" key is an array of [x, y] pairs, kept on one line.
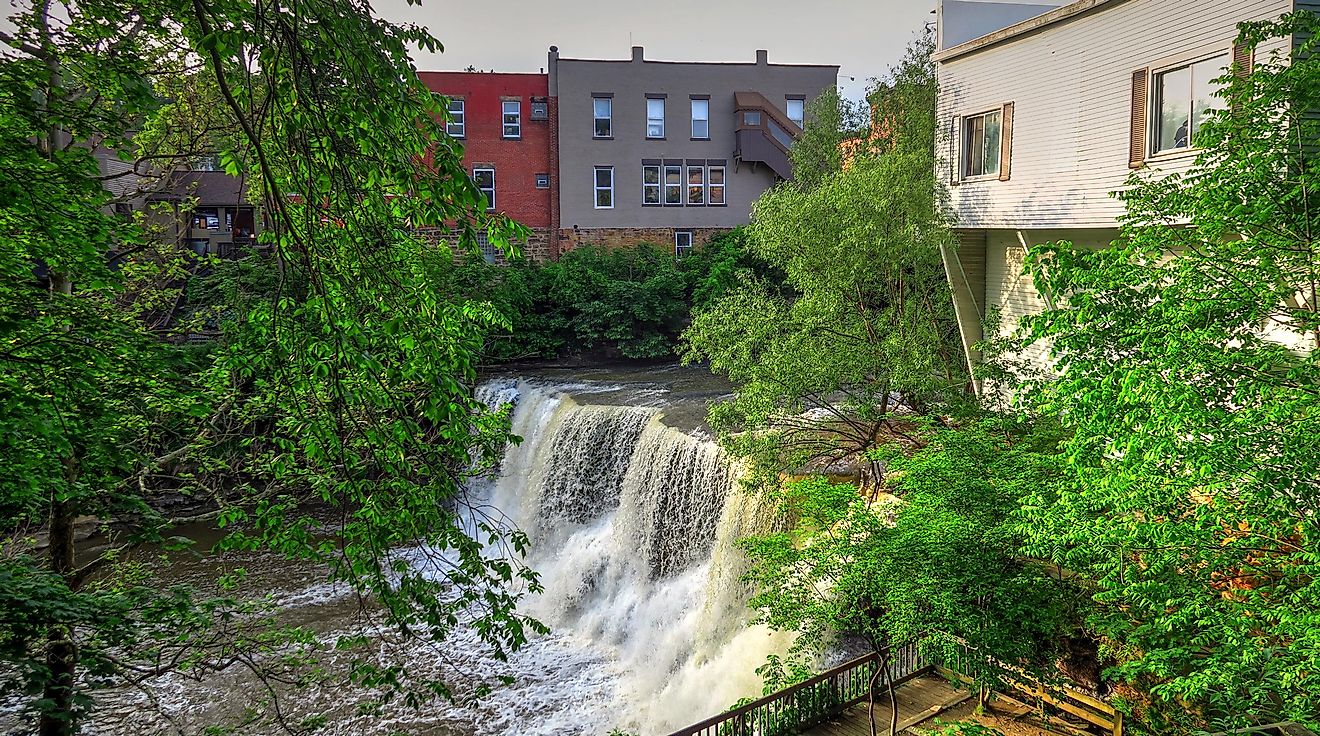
{"points": [[633, 526]]}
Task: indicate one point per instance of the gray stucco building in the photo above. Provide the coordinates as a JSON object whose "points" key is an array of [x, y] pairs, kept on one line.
{"points": [[670, 152]]}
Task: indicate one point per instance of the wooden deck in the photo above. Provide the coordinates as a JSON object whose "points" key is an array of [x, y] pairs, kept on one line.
{"points": [[918, 700]]}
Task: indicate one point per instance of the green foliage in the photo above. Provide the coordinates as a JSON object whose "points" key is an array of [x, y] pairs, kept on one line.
{"points": [[817, 153], [965, 728], [1187, 370], [341, 384], [939, 564], [620, 302]]}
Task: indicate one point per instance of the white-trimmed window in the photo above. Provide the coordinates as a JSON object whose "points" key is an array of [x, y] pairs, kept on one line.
{"points": [[715, 186], [796, 109], [655, 117], [682, 243], [700, 119], [650, 185], [696, 185], [456, 126], [604, 184], [512, 110], [674, 185], [1182, 99], [485, 180], [982, 135], [602, 109], [542, 181]]}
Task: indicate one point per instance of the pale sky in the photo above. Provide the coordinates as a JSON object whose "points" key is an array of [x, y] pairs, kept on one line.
{"points": [[862, 37]]}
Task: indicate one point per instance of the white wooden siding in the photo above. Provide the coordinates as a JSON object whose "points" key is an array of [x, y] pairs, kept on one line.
{"points": [[1071, 85]]}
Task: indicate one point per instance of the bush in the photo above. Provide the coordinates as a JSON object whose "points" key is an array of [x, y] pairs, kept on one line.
{"points": [[628, 302]]}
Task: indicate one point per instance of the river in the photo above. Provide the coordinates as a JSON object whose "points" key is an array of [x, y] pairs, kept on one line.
{"points": [[633, 514]]}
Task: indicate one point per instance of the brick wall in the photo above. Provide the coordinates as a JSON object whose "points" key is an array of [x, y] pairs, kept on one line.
{"points": [[536, 248]]}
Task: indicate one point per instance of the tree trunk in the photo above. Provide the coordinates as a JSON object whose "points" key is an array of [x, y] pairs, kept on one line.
{"points": [[57, 717], [893, 699], [870, 697]]}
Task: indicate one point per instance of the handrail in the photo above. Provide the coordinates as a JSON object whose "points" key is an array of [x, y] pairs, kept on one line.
{"points": [[814, 700]]}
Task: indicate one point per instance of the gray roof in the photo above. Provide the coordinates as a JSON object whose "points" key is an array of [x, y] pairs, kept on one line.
{"points": [[209, 187]]}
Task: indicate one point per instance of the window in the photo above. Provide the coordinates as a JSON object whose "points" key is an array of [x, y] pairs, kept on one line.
{"points": [[206, 218], [485, 181], [540, 108], [603, 110], [209, 162], [700, 119], [674, 185], [457, 124], [696, 185], [488, 251], [751, 118], [981, 139], [542, 181], [716, 186], [682, 243], [1184, 98], [512, 118], [795, 108], [650, 185], [655, 117], [604, 187]]}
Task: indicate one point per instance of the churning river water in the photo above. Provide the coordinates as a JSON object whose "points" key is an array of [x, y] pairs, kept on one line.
{"points": [[633, 514]]}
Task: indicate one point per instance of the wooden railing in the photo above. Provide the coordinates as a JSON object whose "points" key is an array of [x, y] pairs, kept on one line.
{"points": [[813, 701]]}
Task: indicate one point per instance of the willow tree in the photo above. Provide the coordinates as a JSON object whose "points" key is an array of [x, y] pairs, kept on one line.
{"points": [[860, 338], [346, 389], [1189, 377]]}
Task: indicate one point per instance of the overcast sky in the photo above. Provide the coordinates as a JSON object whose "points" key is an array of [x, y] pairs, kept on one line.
{"points": [[862, 36]]}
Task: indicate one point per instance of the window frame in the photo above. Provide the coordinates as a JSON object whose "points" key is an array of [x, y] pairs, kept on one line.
{"points": [[649, 119], [692, 114], [801, 102], [461, 123], [658, 186], [689, 187], [1154, 99], [595, 119], [965, 146], [489, 253], [517, 120], [596, 188], [541, 104], [542, 177], [679, 187], [204, 216], [681, 251], [490, 198], [723, 186]]}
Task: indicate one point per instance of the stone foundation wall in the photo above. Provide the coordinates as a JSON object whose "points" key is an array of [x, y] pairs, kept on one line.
{"points": [[619, 237], [536, 248]]}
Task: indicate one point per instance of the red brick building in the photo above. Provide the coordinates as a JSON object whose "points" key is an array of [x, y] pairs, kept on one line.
{"points": [[504, 122]]}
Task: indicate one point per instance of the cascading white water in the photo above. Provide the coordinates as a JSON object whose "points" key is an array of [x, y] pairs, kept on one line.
{"points": [[634, 527]]}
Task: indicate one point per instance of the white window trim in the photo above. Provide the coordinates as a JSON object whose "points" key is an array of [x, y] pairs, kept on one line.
{"points": [[663, 113], [687, 186], [692, 111], [1166, 65], [665, 185], [461, 125], [596, 189], [609, 101], [796, 121], [490, 199], [964, 141], [659, 186], [687, 248], [504, 126]]}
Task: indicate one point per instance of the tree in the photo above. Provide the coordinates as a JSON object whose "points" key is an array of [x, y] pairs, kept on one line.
{"points": [[861, 337], [348, 388], [1187, 376], [818, 152], [938, 565]]}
